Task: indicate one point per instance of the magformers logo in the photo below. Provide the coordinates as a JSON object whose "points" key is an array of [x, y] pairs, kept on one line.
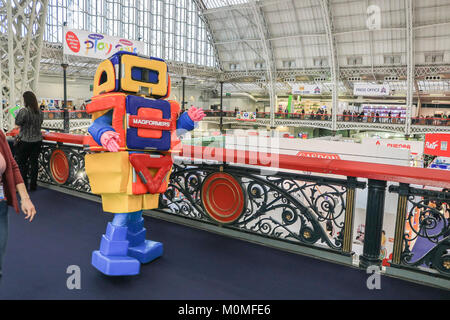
{"points": [[97, 43]]}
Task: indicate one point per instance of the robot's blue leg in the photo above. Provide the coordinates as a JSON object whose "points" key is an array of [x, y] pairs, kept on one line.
{"points": [[141, 249], [112, 259]]}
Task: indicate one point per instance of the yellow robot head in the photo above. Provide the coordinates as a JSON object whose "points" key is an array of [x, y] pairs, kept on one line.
{"points": [[130, 73]]}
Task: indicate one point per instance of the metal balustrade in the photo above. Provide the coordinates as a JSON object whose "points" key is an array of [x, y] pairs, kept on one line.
{"points": [[425, 121], [299, 204], [59, 114]]}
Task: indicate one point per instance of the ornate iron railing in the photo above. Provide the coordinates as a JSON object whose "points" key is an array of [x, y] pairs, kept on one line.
{"points": [[426, 214], [63, 165], [291, 207]]}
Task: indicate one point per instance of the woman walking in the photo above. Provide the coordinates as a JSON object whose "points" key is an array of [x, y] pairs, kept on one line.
{"points": [[29, 119], [11, 183]]}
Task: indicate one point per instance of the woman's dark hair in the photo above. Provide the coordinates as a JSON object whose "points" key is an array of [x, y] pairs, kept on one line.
{"points": [[31, 101]]}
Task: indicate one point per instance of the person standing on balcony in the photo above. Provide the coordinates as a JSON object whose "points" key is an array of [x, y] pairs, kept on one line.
{"points": [[11, 183], [29, 119]]}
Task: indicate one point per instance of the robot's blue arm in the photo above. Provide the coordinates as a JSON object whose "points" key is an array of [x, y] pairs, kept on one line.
{"points": [[184, 122], [100, 126]]}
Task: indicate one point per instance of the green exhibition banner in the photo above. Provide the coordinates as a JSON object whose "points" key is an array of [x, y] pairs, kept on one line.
{"points": [[289, 106], [14, 111]]}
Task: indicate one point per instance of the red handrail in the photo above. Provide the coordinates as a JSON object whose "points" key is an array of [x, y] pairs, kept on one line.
{"points": [[64, 137], [384, 172]]}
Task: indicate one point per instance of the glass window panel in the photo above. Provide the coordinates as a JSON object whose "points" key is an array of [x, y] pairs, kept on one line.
{"points": [[172, 29]]}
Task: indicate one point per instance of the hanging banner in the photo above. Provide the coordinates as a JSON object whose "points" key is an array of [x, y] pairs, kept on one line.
{"points": [[437, 144], [371, 90], [307, 89], [95, 45]]}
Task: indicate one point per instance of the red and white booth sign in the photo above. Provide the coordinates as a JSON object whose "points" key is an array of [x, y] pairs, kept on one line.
{"points": [[319, 155], [437, 144], [415, 147]]}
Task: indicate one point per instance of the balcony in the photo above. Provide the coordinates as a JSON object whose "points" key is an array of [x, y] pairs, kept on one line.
{"points": [[302, 205]]}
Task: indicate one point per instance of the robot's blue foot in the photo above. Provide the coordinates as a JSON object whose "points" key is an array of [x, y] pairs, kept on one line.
{"points": [[112, 259], [141, 249], [146, 251], [115, 265]]}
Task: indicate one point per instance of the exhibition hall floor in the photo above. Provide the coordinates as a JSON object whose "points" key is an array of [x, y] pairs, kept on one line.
{"points": [[196, 264]]}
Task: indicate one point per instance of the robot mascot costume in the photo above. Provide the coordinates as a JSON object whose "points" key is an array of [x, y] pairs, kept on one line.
{"points": [[129, 159]]}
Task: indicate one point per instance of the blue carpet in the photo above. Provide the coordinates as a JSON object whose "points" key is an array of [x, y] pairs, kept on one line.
{"points": [[196, 264]]}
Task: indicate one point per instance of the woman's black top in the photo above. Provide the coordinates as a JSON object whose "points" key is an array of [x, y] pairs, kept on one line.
{"points": [[30, 125]]}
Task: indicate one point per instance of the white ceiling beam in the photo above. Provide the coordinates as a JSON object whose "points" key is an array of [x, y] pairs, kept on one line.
{"points": [[242, 6], [371, 47], [227, 42], [409, 6], [431, 25], [312, 35], [263, 31], [333, 59], [340, 33]]}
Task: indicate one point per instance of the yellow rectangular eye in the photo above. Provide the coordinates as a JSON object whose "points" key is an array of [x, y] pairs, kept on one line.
{"points": [[144, 76]]}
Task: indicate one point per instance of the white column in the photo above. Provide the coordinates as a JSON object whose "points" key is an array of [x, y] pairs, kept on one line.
{"points": [[410, 64]]}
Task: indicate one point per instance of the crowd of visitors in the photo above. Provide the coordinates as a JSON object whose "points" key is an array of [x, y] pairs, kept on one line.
{"points": [[57, 107]]}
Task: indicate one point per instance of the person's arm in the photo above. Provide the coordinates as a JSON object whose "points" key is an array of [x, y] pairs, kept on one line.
{"points": [[25, 202], [20, 118]]}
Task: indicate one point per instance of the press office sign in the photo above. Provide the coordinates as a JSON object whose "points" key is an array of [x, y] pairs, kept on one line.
{"points": [[95, 45], [371, 90]]}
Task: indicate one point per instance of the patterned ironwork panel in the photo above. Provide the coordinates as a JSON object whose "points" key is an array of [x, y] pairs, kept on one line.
{"points": [[426, 237], [291, 207], [63, 166]]}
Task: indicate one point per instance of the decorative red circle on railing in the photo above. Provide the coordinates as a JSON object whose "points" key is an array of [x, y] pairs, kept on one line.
{"points": [[223, 197], [59, 166], [51, 115]]}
